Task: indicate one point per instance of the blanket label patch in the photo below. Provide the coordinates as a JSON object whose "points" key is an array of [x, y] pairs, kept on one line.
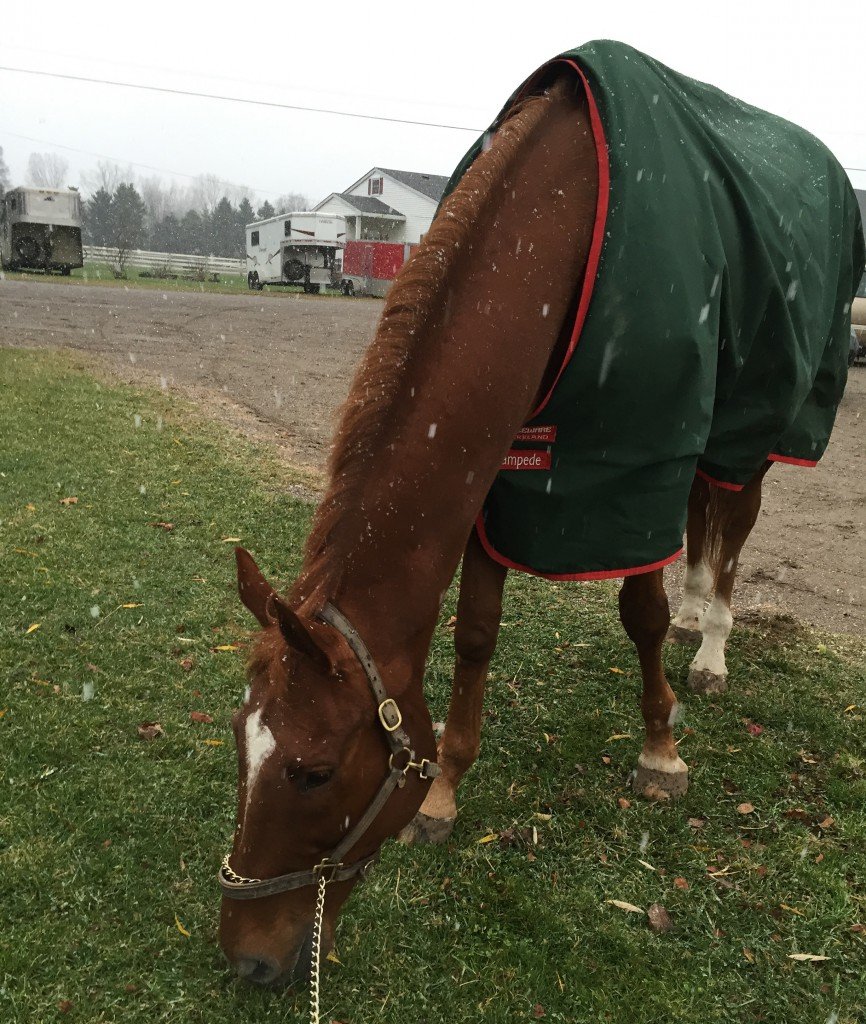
{"points": [[546, 435], [517, 459]]}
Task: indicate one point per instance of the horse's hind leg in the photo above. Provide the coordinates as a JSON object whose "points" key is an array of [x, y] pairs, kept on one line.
{"points": [[731, 516], [698, 583], [645, 615], [479, 609]]}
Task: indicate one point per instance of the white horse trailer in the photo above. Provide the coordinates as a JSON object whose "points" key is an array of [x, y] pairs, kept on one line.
{"points": [[40, 229], [295, 249]]}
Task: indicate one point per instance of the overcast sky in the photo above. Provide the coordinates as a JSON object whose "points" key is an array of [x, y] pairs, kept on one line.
{"points": [[449, 62]]}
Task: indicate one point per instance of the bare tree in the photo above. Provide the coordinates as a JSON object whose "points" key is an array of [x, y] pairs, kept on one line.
{"points": [[292, 201], [205, 192], [46, 170], [108, 175]]}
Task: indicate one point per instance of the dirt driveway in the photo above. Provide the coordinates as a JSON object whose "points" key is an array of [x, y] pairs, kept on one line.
{"points": [[279, 366]]}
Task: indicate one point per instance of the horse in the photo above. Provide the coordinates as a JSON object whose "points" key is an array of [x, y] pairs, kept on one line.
{"points": [[336, 747]]}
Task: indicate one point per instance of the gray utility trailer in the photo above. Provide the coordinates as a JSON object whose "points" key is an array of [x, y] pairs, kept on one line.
{"points": [[40, 229]]}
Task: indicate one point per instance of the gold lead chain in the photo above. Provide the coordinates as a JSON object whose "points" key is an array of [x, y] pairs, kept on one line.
{"points": [[315, 961]]}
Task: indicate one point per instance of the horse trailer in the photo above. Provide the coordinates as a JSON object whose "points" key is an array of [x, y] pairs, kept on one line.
{"points": [[40, 229], [295, 249]]}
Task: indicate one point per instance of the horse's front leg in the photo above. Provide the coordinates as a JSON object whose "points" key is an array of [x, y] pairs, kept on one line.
{"points": [[479, 609], [645, 615]]}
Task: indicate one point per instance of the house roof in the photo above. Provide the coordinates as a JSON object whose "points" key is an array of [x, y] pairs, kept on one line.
{"points": [[368, 204], [430, 185]]}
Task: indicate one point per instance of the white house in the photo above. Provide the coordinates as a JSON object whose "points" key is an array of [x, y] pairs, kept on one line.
{"points": [[387, 205]]}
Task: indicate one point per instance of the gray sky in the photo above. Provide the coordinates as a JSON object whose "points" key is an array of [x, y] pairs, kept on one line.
{"points": [[451, 62]]}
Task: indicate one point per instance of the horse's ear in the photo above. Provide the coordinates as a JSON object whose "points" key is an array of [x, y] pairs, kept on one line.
{"points": [[253, 588], [301, 634]]}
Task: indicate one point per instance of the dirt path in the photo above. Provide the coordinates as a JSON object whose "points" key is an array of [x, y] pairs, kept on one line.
{"points": [[279, 366]]}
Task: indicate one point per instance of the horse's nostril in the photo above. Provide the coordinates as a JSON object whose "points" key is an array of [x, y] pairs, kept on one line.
{"points": [[260, 971]]}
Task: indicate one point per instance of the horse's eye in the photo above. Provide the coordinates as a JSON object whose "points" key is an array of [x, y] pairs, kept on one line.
{"points": [[312, 780]]}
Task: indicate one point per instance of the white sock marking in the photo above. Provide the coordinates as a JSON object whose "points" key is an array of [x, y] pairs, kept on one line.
{"points": [[696, 587], [716, 627]]}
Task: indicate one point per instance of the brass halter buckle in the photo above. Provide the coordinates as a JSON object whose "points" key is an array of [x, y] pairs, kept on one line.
{"points": [[390, 715]]}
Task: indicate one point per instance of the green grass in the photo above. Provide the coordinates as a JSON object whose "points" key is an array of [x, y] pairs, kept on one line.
{"points": [[103, 274], [105, 839]]}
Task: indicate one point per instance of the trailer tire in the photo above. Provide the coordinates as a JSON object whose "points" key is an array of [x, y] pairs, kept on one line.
{"points": [[349, 288]]}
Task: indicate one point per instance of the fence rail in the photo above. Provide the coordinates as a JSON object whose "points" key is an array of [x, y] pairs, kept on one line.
{"points": [[171, 260]]}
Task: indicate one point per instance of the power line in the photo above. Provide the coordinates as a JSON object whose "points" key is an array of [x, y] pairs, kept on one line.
{"points": [[238, 99], [134, 163]]}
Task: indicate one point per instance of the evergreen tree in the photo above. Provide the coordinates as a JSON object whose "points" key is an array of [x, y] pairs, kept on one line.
{"points": [[243, 216], [166, 235], [127, 222], [192, 233], [223, 227], [266, 211], [97, 218]]}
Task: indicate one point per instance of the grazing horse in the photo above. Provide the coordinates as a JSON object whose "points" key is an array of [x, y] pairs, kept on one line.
{"points": [[476, 340]]}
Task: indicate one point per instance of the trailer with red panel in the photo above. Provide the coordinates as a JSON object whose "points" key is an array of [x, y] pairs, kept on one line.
{"points": [[369, 268]]}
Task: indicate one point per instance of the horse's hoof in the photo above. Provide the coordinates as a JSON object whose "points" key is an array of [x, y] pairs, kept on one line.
{"points": [[424, 829], [683, 635], [701, 680], [658, 785]]}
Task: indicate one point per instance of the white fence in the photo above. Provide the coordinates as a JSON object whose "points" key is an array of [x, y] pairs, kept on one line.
{"points": [[171, 260]]}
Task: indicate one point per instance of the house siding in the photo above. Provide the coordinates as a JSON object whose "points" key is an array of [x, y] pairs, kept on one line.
{"points": [[417, 209]]}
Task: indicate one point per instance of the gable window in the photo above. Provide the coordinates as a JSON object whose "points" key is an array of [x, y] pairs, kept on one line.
{"points": [[288, 229], [375, 186], [254, 238]]}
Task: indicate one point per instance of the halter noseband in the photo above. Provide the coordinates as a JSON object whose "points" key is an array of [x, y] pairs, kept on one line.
{"points": [[401, 761]]}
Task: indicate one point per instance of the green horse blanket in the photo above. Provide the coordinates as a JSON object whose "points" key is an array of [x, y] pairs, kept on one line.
{"points": [[712, 324]]}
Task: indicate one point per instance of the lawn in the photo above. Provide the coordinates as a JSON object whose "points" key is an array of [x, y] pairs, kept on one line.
{"points": [[109, 843]]}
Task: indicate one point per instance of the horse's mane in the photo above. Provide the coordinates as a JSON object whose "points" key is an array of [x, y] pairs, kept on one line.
{"points": [[414, 306]]}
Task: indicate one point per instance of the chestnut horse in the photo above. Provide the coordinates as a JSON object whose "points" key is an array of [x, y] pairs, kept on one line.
{"points": [[430, 416]]}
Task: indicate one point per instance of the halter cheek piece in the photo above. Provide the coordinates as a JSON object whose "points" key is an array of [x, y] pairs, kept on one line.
{"points": [[401, 761]]}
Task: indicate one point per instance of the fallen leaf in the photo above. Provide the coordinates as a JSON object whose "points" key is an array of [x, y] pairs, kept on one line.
{"points": [[623, 803], [214, 743], [200, 716], [180, 927], [754, 729], [3, 711], [629, 908], [745, 808], [130, 988], [646, 864], [489, 838], [605, 759], [681, 883], [32, 628], [187, 664], [538, 1011], [64, 1006], [150, 730], [232, 540], [30, 507], [69, 501], [332, 956], [619, 736], [163, 526], [543, 817], [451, 623], [858, 929], [617, 671], [826, 823], [658, 919], [224, 647], [851, 707], [749, 955], [810, 957], [697, 823], [791, 910], [131, 604]]}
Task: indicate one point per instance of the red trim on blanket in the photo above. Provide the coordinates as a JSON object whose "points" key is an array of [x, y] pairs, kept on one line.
{"points": [[718, 483], [603, 574], [809, 463], [591, 269]]}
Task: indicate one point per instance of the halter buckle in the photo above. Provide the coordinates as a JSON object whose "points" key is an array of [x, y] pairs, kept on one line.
{"points": [[389, 715], [326, 869]]}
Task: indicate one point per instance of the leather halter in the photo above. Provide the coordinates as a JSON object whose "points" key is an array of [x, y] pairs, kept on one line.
{"points": [[400, 761]]}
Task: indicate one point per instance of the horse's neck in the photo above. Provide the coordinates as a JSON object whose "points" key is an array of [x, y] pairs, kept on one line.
{"points": [[470, 381]]}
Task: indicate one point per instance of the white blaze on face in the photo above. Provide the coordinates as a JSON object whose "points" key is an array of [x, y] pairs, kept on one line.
{"points": [[260, 745]]}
